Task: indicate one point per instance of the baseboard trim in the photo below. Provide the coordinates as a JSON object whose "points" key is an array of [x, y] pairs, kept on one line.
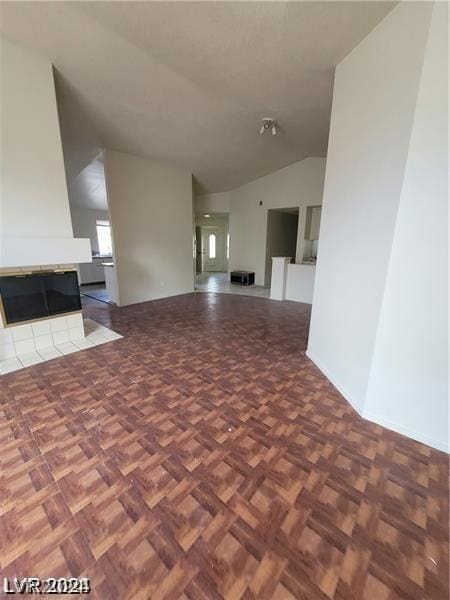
{"points": [[377, 419], [409, 433], [340, 388]]}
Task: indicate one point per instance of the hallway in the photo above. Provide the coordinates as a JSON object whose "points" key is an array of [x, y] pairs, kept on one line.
{"points": [[219, 283]]}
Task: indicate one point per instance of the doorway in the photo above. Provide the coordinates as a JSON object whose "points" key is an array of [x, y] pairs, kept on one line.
{"points": [[281, 238], [198, 249], [211, 240]]}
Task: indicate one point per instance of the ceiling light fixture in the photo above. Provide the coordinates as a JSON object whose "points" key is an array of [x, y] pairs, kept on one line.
{"points": [[206, 216], [268, 124]]}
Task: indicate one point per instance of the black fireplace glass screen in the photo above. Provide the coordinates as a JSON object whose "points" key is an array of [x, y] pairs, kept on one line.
{"points": [[39, 295], [63, 293], [23, 298]]}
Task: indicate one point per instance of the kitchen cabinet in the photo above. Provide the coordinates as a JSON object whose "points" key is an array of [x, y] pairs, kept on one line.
{"points": [[93, 272]]}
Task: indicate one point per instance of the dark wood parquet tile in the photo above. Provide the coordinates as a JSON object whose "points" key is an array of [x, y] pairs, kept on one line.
{"points": [[204, 456]]}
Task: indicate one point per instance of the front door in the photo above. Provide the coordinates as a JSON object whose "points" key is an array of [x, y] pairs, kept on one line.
{"points": [[212, 247]]}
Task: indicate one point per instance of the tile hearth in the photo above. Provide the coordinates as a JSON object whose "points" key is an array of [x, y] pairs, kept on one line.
{"points": [[47, 340]]}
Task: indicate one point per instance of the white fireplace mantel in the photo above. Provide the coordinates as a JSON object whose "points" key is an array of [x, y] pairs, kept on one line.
{"points": [[37, 251]]}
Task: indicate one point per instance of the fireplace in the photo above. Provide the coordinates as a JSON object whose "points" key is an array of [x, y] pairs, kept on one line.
{"points": [[39, 295]]}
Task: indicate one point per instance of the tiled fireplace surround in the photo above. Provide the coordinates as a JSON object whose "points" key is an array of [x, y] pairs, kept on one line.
{"points": [[29, 337], [26, 344]]}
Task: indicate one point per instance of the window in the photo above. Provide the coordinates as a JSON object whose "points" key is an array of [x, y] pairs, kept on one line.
{"points": [[228, 246], [212, 245], [104, 238]]}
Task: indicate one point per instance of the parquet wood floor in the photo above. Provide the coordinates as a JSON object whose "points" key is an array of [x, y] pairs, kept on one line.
{"points": [[203, 456]]}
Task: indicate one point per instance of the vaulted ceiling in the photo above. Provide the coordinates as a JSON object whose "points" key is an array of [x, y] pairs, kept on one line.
{"points": [[188, 82]]}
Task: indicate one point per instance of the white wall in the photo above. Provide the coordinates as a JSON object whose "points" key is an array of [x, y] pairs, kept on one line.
{"points": [[84, 221], [298, 185], [34, 206], [150, 206], [32, 166], [408, 385], [375, 94], [371, 239], [213, 203]]}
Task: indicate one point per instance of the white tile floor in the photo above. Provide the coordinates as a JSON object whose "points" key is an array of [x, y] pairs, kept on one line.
{"points": [[96, 334], [220, 283]]}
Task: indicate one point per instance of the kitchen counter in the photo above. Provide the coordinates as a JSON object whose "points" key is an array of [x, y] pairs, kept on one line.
{"points": [[300, 282], [111, 281]]}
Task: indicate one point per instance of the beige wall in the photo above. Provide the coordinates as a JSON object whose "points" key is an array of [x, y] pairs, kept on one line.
{"points": [[150, 206], [298, 185]]}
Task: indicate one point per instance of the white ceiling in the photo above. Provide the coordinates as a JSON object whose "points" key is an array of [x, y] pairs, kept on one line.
{"points": [[189, 82]]}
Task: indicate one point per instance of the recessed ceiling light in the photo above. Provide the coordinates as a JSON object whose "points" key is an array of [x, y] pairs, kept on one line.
{"points": [[207, 216]]}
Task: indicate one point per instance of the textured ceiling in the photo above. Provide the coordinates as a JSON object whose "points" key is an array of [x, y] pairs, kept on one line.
{"points": [[189, 82]]}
